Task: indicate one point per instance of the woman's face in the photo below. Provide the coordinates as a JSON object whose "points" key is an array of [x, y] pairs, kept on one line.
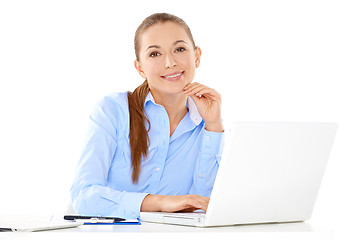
{"points": [[167, 58]]}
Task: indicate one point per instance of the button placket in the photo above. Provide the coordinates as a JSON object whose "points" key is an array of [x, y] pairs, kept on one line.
{"points": [[162, 139]]}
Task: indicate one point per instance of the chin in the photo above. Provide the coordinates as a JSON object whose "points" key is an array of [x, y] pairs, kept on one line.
{"points": [[176, 91], [171, 87]]}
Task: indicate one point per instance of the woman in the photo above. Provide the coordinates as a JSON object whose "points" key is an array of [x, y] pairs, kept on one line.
{"points": [[157, 148]]}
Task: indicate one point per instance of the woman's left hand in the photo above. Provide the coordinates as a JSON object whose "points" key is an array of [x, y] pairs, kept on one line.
{"points": [[208, 103]]}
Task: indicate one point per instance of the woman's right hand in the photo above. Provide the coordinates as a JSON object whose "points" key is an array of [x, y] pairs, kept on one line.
{"points": [[183, 203]]}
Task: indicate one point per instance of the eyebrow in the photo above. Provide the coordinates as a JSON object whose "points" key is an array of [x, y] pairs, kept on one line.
{"points": [[174, 43]]}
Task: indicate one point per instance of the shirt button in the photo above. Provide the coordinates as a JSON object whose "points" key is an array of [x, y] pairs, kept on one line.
{"points": [[201, 175], [157, 169], [207, 137]]}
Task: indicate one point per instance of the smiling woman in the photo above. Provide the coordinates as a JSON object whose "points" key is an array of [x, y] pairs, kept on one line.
{"points": [[157, 148], [174, 57]]}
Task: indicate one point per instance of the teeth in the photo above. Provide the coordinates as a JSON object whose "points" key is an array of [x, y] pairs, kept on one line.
{"points": [[172, 76]]}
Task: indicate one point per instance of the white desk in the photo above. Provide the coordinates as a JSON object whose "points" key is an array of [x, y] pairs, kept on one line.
{"points": [[299, 230], [155, 227]]}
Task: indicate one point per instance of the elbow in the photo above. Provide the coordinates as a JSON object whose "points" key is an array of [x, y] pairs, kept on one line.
{"points": [[82, 203]]}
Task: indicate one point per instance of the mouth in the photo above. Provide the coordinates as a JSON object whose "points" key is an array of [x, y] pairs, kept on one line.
{"points": [[174, 76]]}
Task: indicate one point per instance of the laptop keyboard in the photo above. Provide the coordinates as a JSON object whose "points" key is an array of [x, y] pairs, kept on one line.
{"points": [[191, 214]]}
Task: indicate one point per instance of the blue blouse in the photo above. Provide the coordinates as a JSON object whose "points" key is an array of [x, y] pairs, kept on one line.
{"points": [[184, 163]]}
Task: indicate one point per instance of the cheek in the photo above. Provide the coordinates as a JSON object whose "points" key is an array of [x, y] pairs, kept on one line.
{"points": [[192, 61], [188, 59], [190, 64], [152, 69]]}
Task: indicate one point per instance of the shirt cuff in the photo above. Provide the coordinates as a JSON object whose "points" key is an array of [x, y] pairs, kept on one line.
{"points": [[212, 142], [132, 202]]}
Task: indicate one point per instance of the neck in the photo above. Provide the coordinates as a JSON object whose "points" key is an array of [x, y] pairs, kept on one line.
{"points": [[174, 104]]}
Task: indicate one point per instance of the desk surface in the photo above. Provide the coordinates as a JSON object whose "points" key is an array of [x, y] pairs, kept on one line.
{"points": [[156, 227], [299, 230]]}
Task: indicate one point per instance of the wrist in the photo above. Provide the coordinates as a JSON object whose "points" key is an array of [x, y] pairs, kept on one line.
{"points": [[214, 127], [151, 203]]}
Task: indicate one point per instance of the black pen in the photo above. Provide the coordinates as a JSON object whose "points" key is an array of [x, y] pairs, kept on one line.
{"points": [[74, 217]]}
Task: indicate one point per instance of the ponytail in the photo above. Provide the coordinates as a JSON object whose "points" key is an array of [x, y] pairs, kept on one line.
{"points": [[139, 138]]}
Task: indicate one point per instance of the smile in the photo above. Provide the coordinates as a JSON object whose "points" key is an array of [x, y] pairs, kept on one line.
{"points": [[173, 76]]}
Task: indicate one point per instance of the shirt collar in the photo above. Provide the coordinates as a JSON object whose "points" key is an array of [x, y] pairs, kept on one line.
{"points": [[193, 112]]}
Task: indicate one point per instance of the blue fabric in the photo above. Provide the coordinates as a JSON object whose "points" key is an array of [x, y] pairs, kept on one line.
{"points": [[184, 163]]}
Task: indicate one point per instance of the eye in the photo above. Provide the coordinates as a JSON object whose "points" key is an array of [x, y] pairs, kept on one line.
{"points": [[154, 54], [180, 49]]}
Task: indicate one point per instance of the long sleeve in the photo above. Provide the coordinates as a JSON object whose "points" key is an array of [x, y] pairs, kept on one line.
{"points": [[89, 192], [207, 164]]}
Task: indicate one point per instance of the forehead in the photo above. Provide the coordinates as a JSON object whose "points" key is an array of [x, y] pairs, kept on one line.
{"points": [[163, 34]]}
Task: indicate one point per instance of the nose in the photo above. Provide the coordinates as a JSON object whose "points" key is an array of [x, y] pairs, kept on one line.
{"points": [[169, 61]]}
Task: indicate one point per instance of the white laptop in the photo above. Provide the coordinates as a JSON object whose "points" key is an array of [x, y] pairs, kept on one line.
{"points": [[269, 173]]}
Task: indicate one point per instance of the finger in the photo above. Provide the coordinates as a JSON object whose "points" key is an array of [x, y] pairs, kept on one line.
{"points": [[197, 97], [190, 209], [200, 90], [195, 92], [193, 86], [208, 92], [205, 204], [201, 202], [189, 85]]}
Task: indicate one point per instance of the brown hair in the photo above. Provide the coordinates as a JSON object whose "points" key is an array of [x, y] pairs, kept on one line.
{"points": [[139, 138]]}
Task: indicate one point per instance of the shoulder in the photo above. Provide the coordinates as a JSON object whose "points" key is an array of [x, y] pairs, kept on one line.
{"points": [[113, 107], [115, 102], [118, 99]]}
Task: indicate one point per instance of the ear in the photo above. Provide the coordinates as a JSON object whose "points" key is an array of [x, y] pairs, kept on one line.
{"points": [[139, 69], [197, 56]]}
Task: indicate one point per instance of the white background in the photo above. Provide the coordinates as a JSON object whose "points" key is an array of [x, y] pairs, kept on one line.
{"points": [[270, 60]]}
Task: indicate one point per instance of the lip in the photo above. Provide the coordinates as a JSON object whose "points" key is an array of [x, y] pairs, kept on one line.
{"points": [[173, 76]]}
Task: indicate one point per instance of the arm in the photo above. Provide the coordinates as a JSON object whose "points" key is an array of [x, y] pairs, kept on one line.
{"points": [[89, 192], [208, 103], [163, 203], [207, 164]]}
